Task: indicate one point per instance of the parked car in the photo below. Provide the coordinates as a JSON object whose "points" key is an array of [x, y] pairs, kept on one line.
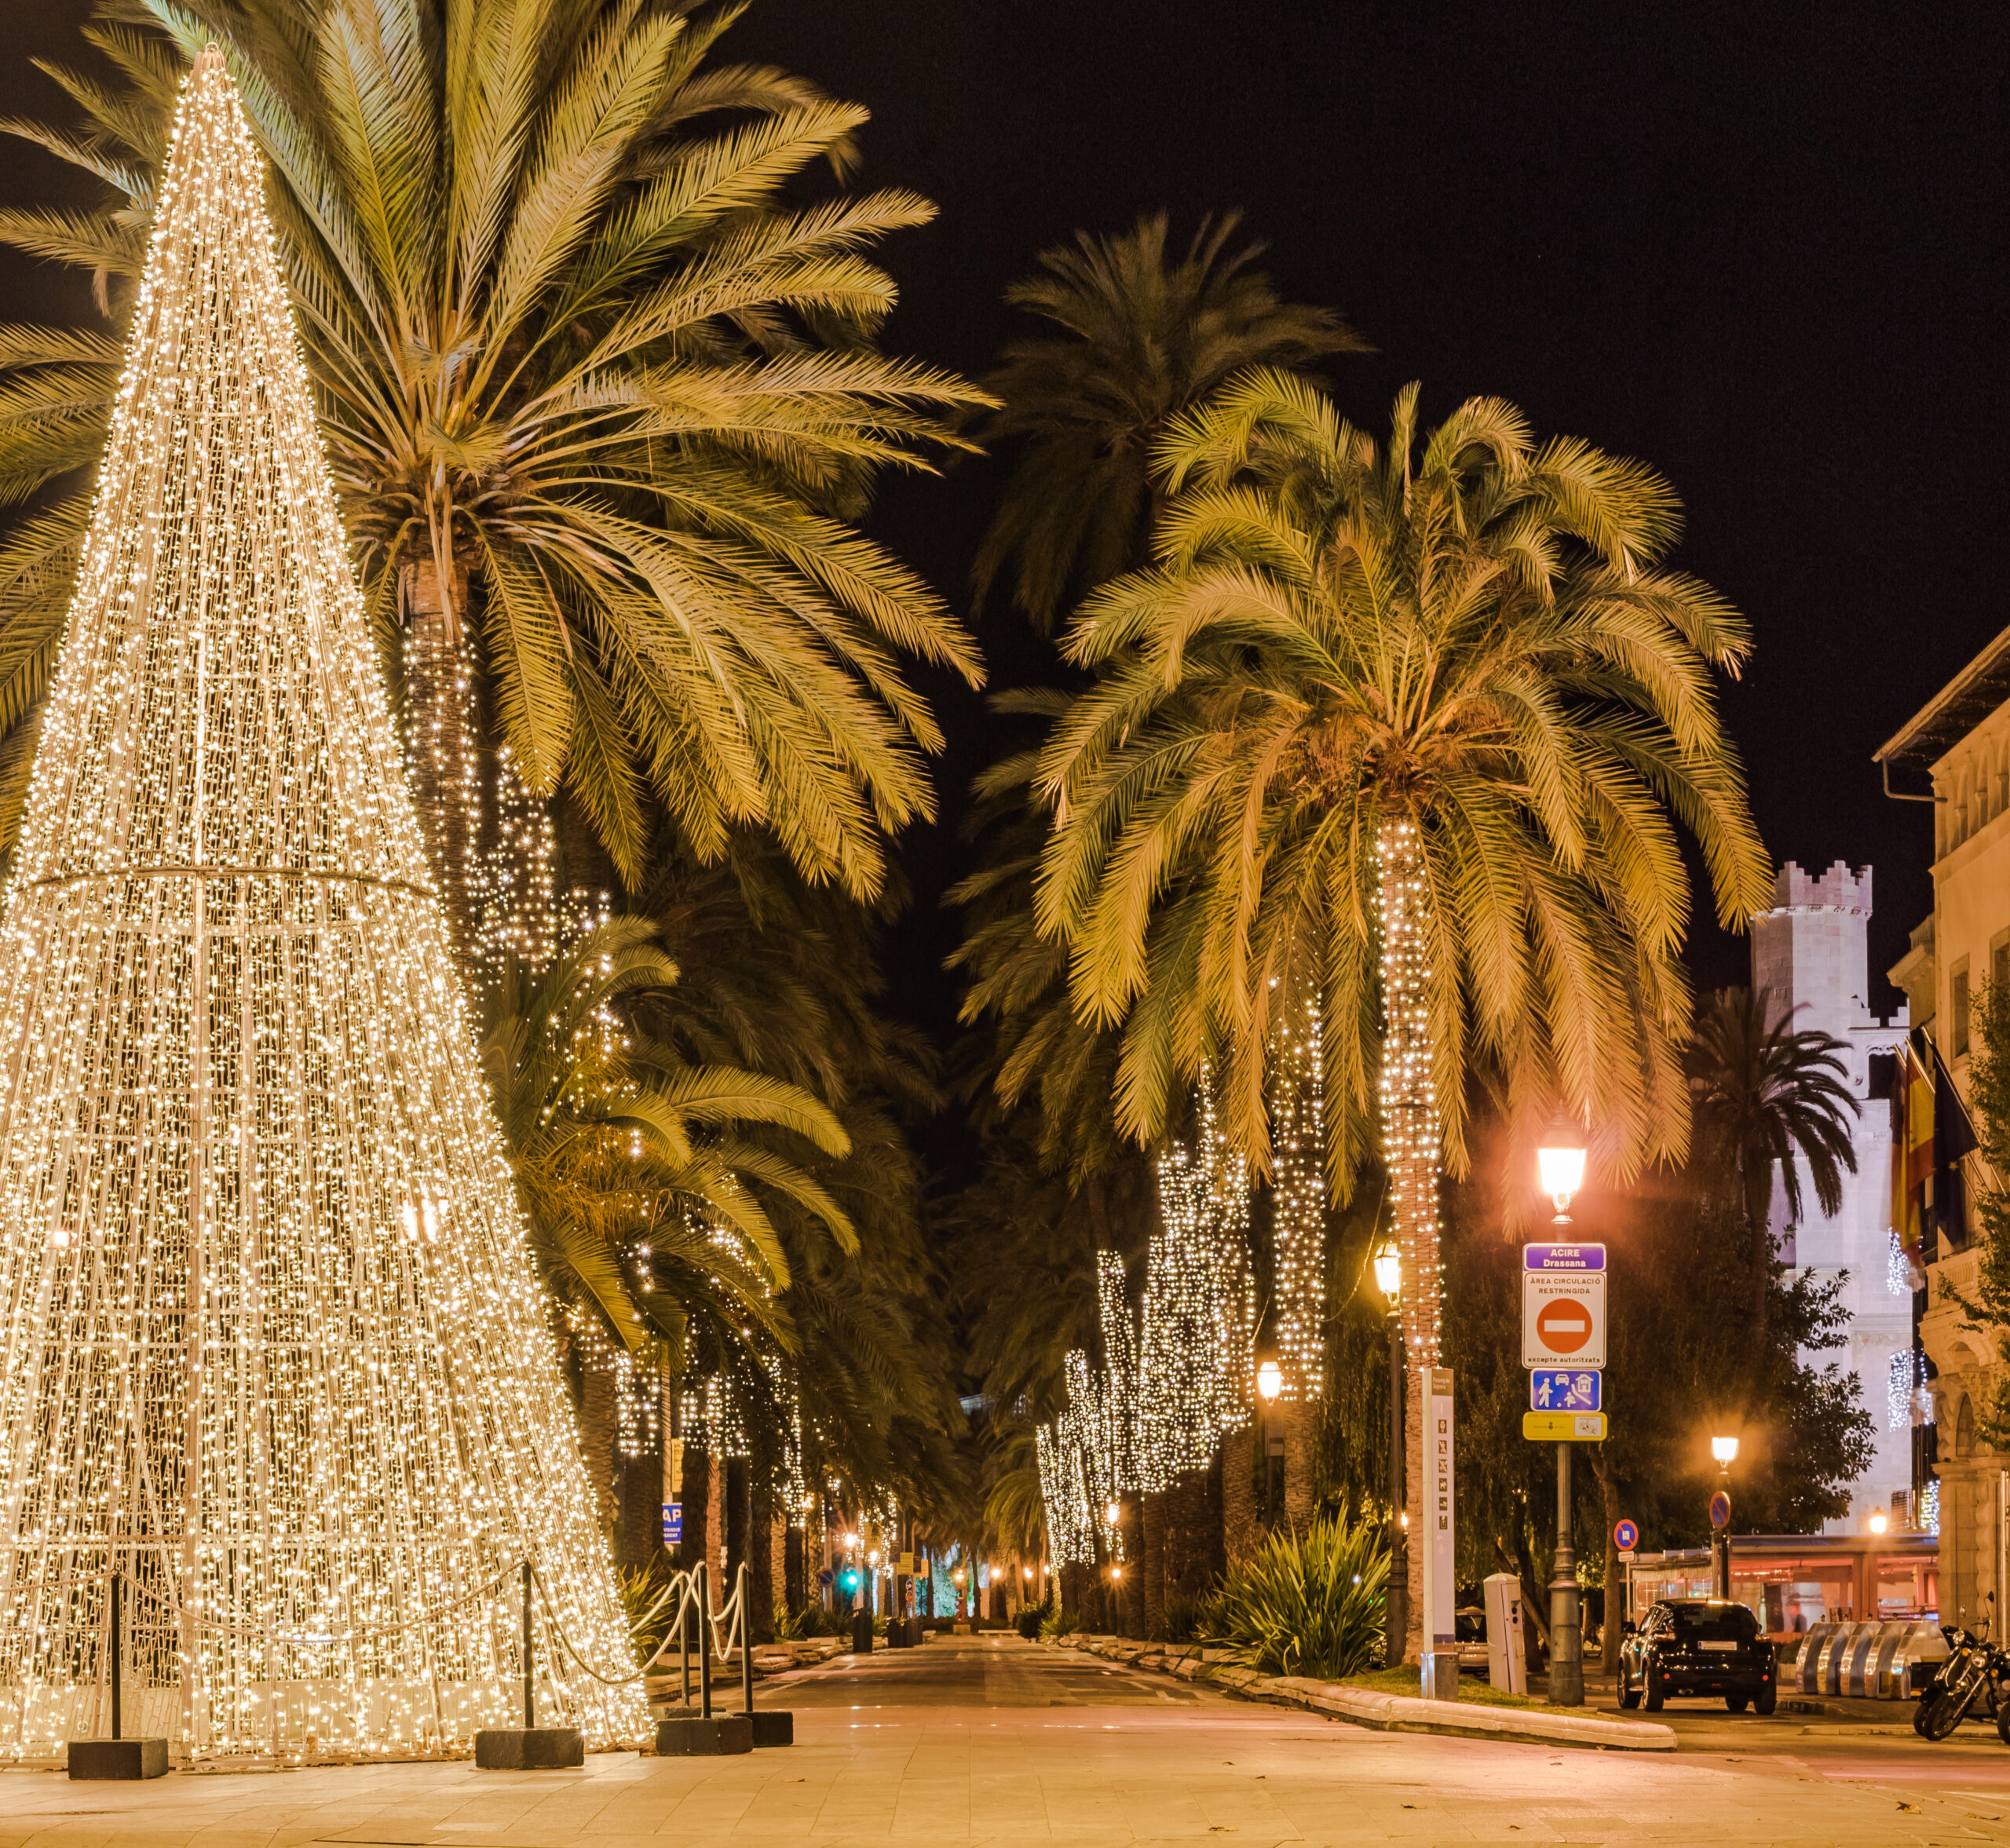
{"points": [[1706, 1646], [1469, 1625]]}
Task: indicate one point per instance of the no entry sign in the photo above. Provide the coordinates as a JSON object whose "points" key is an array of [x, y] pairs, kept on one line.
{"points": [[1563, 1308]]}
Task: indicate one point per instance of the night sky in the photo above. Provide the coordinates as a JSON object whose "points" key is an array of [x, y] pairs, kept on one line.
{"points": [[1761, 248]]}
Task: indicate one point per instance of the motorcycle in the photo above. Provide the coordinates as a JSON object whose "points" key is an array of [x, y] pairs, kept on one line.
{"points": [[1974, 1668]]}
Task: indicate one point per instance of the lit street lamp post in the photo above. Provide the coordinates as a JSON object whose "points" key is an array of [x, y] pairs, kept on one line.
{"points": [[1396, 1595], [1725, 1450], [1560, 1162]]}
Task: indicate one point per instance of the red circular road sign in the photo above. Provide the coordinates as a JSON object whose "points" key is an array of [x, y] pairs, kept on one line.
{"points": [[1565, 1324], [1720, 1510], [1626, 1536]]}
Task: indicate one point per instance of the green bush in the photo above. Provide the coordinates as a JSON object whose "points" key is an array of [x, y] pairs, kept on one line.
{"points": [[811, 1621], [1059, 1623], [1308, 1604]]}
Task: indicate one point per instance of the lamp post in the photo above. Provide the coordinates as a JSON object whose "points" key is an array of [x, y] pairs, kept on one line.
{"points": [[1396, 1597], [1270, 1383], [1560, 1164], [1725, 1450]]}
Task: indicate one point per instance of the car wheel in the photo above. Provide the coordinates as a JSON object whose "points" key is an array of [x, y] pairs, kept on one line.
{"points": [[1629, 1695], [1655, 1691], [1767, 1698], [1737, 1703]]}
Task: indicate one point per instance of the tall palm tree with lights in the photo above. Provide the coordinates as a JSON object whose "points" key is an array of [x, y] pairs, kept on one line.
{"points": [[1770, 1097], [598, 388], [1136, 334], [1411, 725]]}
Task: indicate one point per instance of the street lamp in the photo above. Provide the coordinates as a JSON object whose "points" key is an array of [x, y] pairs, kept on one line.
{"points": [[1113, 1513], [1396, 1593], [1879, 1520], [1270, 1379], [1560, 1162], [1560, 1166], [1725, 1450]]}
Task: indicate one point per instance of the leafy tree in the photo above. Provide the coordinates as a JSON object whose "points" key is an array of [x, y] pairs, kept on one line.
{"points": [[1767, 1093], [1140, 335], [596, 382]]}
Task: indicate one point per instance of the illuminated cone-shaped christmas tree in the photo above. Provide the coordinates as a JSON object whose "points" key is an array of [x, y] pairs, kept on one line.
{"points": [[274, 1347]]}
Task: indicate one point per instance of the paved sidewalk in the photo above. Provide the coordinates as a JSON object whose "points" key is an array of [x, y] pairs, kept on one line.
{"points": [[987, 1739]]}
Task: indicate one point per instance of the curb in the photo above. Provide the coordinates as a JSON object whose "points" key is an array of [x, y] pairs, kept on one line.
{"points": [[1381, 1713]]}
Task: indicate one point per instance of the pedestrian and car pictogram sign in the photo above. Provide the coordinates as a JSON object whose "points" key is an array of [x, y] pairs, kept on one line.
{"points": [[1566, 1388], [1626, 1536], [1563, 1307]]}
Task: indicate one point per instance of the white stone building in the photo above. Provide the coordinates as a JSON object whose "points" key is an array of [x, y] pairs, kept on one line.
{"points": [[1955, 755], [1811, 954]]}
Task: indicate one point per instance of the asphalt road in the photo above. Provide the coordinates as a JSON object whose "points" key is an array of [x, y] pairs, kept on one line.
{"points": [[988, 1740]]}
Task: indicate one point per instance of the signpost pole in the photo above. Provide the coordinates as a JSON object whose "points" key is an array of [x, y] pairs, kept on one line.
{"points": [[1566, 1658], [1396, 1595]]}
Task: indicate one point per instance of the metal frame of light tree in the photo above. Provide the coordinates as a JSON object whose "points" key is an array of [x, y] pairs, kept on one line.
{"points": [[272, 1343]]}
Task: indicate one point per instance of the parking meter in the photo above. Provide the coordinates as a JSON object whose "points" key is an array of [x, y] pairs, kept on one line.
{"points": [[1507, 1660]]}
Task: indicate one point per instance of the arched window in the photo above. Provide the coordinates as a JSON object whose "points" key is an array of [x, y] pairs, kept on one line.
{"points": [[1964, 1429]]}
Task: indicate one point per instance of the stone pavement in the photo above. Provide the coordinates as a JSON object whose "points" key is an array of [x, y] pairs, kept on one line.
{"points": [[987, 1739]]}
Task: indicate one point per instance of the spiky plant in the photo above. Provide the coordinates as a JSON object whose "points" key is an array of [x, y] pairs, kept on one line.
{"points": [[1306, 1604], [596, 383]]}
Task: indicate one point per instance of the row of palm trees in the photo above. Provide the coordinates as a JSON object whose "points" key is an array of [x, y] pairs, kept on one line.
{"points": [[1408, 726]]}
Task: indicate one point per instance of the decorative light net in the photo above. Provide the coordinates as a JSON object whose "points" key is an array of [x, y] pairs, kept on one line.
{"points": [[1297, 1084], [274, 1348], [1410, 1126], [1196, 1355]]}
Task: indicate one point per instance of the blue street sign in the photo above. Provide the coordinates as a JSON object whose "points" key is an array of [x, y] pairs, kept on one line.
{"points": [[673, 1524], [1566, 1388], [827, 1577], [1626, 1536], [1563, 1257]]}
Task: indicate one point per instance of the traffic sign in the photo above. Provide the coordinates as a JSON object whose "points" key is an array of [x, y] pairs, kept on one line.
{"points": [[1626, 1536], [1563, 1306], [1563, 1258], [1566, 1388], [673, 1524], [1720, 1510], [1564, 1427]]}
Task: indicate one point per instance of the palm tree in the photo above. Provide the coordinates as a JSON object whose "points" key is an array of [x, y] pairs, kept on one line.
{"points": [[1769, 1096], [598, 402], [649, 1191], [1410, 736], [1143, 336]]}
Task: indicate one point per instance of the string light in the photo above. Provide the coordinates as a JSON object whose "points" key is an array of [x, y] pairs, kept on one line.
{"points": [[1297, 1084], [1410, 1137], [1198, 1343], [273, 1344]]}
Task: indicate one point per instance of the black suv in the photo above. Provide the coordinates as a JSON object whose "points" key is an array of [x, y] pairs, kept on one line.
{"points": [[1706, 1646]]}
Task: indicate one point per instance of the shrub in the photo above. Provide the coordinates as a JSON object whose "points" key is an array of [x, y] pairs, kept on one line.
{"points": [[1060, 1623], [1308, 1604]]}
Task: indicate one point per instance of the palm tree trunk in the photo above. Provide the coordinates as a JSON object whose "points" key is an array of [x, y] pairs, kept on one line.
{"points": [[442, 744], [598, 1419], [1758, 1231], [1410, 1146]]}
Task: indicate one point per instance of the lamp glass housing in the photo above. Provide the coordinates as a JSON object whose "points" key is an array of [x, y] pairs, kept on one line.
{"points": [[1724, 1449], [1270, 1379], [1388, 1270], [1561, 1165], [1879, 1520]]}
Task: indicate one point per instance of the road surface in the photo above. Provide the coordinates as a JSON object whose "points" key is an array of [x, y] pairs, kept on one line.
{"points": [[989, 1740]]}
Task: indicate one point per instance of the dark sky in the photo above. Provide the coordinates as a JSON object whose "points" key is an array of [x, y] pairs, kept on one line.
{"points": [[1762, 248]]}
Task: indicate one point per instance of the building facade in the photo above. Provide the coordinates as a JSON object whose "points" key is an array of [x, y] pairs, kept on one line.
{"points": [[1810, 957], [1955, 755]]}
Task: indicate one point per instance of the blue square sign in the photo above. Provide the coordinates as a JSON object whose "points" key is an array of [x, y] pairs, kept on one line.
{"points": [[1558, 1389], [673, 1524]]}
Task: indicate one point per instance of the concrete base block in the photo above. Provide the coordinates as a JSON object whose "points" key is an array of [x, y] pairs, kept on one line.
{"points": [[1440, 1675], [122, 1759], [718, 1738], [530, 1748], [771, 1727]]}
